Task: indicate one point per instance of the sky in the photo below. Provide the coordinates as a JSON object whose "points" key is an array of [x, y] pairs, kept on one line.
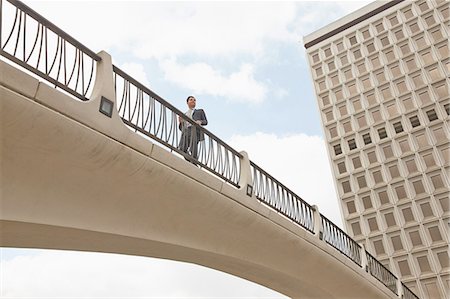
{"points": [[246, 65]]}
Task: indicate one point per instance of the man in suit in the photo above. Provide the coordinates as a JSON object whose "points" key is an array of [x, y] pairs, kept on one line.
{"points": [[191, 134]]}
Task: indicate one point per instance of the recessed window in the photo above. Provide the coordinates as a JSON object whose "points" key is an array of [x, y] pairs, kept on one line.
{"points": [[367, 139], [356, 162], [432, 115], [372, 157], [346, 186], [414, 121], [447, 108], [382, 133], [352, 144], [398, 127], [362, 181], [341, 167], [367, 202], [337, 149]]}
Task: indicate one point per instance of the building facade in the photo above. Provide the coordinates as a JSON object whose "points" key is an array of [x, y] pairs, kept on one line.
{"points": [[381, 77]]}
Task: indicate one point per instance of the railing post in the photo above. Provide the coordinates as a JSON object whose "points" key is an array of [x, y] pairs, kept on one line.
{"points": [[318, 229], [245, 178], [364, 262], [104, 81]]}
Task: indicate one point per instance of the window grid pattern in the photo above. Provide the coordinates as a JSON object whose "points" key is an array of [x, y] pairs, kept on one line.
{"points": [[383, 93]]}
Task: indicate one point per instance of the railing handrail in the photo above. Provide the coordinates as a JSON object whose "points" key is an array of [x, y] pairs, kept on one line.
{"points": [[358, 247], [25, 8], [289, 205], [279, 183], [173, 108], [409, 293], [384, 268], [371, 259]]}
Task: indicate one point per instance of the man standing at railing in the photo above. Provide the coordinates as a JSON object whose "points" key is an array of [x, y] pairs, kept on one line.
{"points": [[191, 134]]}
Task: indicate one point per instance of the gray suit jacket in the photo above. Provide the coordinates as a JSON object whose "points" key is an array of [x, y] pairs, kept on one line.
{"points": [[197, 114]]}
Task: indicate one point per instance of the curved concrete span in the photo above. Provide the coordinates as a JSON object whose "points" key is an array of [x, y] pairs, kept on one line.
{"points": [[72, 178]]}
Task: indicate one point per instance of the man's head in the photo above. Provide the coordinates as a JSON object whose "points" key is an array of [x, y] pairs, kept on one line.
{"points": [[191, 102]]}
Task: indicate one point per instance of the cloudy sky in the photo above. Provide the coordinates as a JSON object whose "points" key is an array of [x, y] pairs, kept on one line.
{"points": [[245, 63]]}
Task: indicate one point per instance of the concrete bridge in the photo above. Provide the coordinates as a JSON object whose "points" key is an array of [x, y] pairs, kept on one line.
{"points": [[83, 171]]}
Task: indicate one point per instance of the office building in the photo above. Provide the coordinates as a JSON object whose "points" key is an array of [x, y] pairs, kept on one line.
{"points": [[381, 77]]}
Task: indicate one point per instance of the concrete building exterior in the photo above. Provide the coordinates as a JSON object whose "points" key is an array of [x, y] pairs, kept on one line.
{"points": [[381, 77]]}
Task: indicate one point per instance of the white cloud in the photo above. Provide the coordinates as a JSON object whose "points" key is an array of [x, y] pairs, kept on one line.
{"points": [[300, 162], [203, 79], [136, 71], [64, 274]]}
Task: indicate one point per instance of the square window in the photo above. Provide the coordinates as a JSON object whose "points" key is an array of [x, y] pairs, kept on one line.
{"points": [[418, 187], [398, 127], [347, 127], [356, 162], [415, 238], [393, 170], [346, 186], [429, 160], [387, 150], [447, 108], [437, 181], [411, 165], [379, 247], [362, 122], [432, 115], [367, 139], [356, 228], [384, 198], [426, 210], [408, 215], [404, 146], [367, 202], [362, 182], [372, 157], [404, 267], [341, 167], [377, 177], [351, 207], [414, 121], [352, 144], [373, 225], [435, 234], [382, 133], [401, 192], [397, 243], [337, 149], [390, 219]]}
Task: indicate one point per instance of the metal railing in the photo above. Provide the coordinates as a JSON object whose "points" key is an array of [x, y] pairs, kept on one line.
{"points": [[36, 44], [39, 46], [146, 112], [277, 196], [407, 293], [337, 238], [380, 272]]}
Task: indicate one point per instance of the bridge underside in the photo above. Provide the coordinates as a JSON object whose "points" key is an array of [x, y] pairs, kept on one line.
{"points": [[67, 185]]}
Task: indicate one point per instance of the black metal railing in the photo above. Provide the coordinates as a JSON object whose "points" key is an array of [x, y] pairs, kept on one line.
{"points": [[277, 196], [146, 112], [407, 293], [337, 238], [36, 44], [380, 272]]}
